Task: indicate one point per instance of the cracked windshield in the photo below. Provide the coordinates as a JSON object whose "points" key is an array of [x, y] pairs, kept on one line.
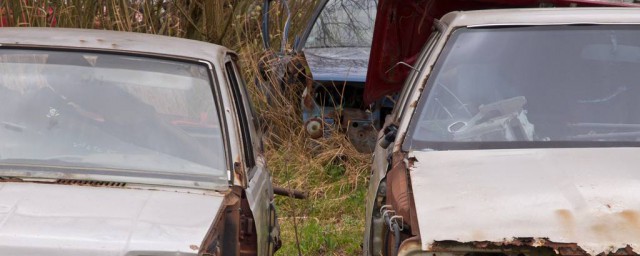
{"points": [[112, 113], [523, 86]]}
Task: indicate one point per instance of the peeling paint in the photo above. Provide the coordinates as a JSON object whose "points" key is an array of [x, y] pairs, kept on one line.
{"points": [[585, 197], [519, 246]]}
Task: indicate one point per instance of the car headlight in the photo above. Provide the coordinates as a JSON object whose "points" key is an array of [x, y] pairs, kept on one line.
{"points": [[314, 128]]}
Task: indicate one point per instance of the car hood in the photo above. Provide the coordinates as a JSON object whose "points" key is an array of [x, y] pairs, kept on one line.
{"points": [[338, 64], [399, 41], [584, 196], [51, 219]]}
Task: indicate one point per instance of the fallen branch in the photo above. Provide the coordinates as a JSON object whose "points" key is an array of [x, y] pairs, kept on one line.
{"points": [[297, 194]]}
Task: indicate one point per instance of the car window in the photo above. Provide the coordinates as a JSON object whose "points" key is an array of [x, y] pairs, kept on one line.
{"points": [[99, 111], [552, 86], [344, 23], [252, 141]]}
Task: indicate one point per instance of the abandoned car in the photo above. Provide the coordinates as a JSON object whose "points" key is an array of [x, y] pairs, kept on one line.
{"points": [[118, 143], [516, 133], [329, 61], [327, 68]]}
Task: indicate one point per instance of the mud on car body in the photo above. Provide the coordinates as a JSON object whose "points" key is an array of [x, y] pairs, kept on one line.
{"points": [[119, 143], [515, 134]]}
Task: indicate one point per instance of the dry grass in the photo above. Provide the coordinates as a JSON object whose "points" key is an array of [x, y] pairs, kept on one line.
{"points": [[330, 169]]}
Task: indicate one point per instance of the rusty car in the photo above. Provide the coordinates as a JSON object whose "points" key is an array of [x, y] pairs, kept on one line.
{"points": [[118, 143], [328, 63], [327, 66], [516, 132]]}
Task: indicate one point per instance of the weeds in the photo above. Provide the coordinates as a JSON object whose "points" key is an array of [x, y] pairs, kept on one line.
{"points": [[331, 221]]}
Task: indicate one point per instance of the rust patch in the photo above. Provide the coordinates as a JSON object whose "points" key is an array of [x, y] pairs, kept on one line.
{"points": [[612, 225], [239, 171], [567, 221], [10, 179], [624, 251], [631, 217], [602, 230], [478, 235], [399, 193], [412, 161], [308, 101], [522, 245], [223, 234], [361, 133], [631, 221], [565, 215]]}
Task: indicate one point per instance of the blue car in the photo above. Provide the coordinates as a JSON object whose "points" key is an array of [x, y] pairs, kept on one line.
{"points": [[332, 53]]}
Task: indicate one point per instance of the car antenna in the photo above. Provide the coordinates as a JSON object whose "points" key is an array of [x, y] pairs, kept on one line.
{"points": [[401, 63]]}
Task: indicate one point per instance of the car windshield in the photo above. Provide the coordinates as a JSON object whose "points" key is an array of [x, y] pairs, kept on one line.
{"points": [[344, 23], [117, 115], [532, 86]]}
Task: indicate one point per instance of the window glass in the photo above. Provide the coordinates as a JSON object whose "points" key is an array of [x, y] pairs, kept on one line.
{"points": [[564, 86], [109, 112], [344, 23]]}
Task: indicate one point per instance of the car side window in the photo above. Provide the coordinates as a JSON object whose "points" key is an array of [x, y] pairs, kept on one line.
{"points": [[252, 143]]}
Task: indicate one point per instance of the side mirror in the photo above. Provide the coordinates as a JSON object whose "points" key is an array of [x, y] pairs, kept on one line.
{"points": [[390, 133]]}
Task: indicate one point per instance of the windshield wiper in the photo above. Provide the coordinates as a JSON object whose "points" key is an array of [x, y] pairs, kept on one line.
{"points": [[605, 125], [632, 131], [67, 164], [13, 127], [612, 135], [32, 162]]}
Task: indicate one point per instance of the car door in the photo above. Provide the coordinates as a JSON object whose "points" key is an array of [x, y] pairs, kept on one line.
{"points": [[259, 190]]}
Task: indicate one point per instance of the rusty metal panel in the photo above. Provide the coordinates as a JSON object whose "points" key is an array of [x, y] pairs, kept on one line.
{"points": [[586, 196], [399, 192]]}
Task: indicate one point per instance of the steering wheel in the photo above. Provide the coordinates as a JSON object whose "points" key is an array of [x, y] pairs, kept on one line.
{"points": [[506, 117]]}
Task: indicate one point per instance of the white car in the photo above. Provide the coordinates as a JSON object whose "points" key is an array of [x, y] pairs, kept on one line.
{"points": [[117, 143], [517, 133]]}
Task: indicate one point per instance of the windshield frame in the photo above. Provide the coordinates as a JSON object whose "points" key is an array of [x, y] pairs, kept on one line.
{"points": [[143, 177], [302, 39], [429, 71]]}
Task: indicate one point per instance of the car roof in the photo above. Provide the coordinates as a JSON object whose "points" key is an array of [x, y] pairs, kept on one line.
{"points": [[543, 16], [111, 41]]}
